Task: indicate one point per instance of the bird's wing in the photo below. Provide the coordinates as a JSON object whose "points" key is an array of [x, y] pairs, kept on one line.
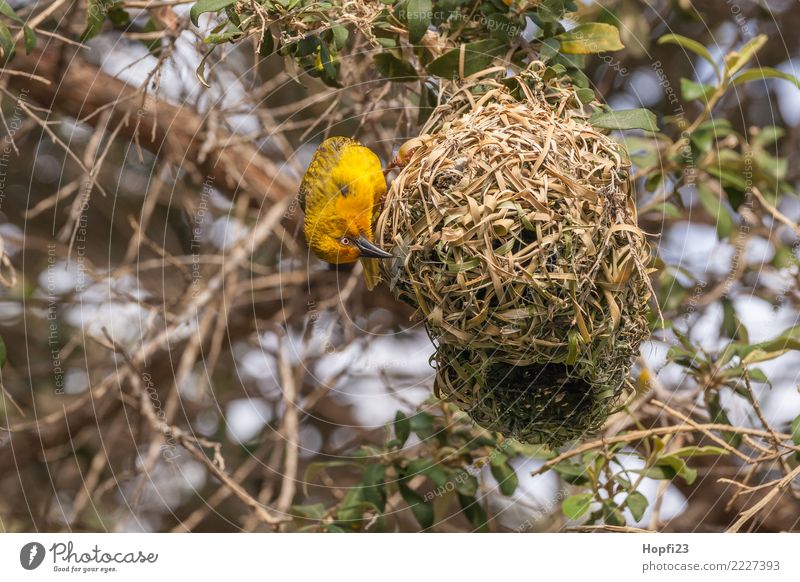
{"points": [[303, 193], [325, 158]]}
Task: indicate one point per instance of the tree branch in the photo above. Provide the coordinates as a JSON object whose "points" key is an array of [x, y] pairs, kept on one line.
{"points": [[175, 133]]}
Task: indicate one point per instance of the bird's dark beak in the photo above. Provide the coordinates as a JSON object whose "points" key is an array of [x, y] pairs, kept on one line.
{"points": [[369, 250]]}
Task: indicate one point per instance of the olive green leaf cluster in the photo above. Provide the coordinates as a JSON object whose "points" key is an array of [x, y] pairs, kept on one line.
{"points": [[723, 164], [732, 172], [609, 479], [438, 478], [411, 38], [9, 23]]}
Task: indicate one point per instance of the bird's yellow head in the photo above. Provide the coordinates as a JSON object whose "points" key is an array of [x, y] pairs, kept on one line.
{"points": [[340, 193], [342, 232]]}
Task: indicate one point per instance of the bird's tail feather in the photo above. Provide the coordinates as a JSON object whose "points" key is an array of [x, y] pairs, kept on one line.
{"points": [[371, 274]]}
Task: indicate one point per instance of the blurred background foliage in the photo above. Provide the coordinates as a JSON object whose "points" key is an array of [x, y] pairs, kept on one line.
{"points": [[175, 360]]}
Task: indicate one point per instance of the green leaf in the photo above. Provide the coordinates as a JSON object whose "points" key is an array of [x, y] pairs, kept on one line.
{"points": [[766, 350], [681, 356], [625, 119], [230, 34], [637, 503], [95, 17], [423, 512], [3, 352], [704, 138], [6, 42], [679, 466], [762, 73], [528, 450], [200, 72], [395, 69], [585, 94], [477, 56], [422, 425], [340, 35], [30, 39], [736, 60], [622, 480], [795, 428], [579, 78], [664, 473], [307, 45], [386, 42], [267, 46], [506, 476], [96, 14], [373, 485], [418, 16], [768, 135], [502, 27], [466, 484], [612, 514], [474, 512], [402, 428], [757, 375], [667, 209], [6, 9], [691, 90], [717, 210], [315, 511], [762, 356], [653, 181], [428, 468], [695, 451], [576, 506], [691, 45], [729, 178], [590, 38], [352, 506], [549, 48], [118, 16], [203, 6], [326, 59], [719, 416], [573, 474], [555, 71]]}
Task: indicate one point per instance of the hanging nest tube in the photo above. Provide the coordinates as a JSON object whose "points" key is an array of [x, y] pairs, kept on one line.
{"points": [[517, 242], [537, 403]]}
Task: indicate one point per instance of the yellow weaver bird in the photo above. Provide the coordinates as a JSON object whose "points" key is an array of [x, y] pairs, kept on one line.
{"points": [[339, 194]]}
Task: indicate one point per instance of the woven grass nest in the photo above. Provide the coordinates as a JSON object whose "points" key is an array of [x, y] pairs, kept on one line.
{"points": [[517, 242], [538, 403]]}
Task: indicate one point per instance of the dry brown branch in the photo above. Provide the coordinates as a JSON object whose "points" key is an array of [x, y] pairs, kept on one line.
{"points": [[175, 133], [609, 528], [290, 435], [638, 435], [683, 418], [776, 488], [194, 445]]}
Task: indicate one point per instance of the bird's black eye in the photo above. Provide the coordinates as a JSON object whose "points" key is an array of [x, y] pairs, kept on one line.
{"points": [[345, 241]]}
